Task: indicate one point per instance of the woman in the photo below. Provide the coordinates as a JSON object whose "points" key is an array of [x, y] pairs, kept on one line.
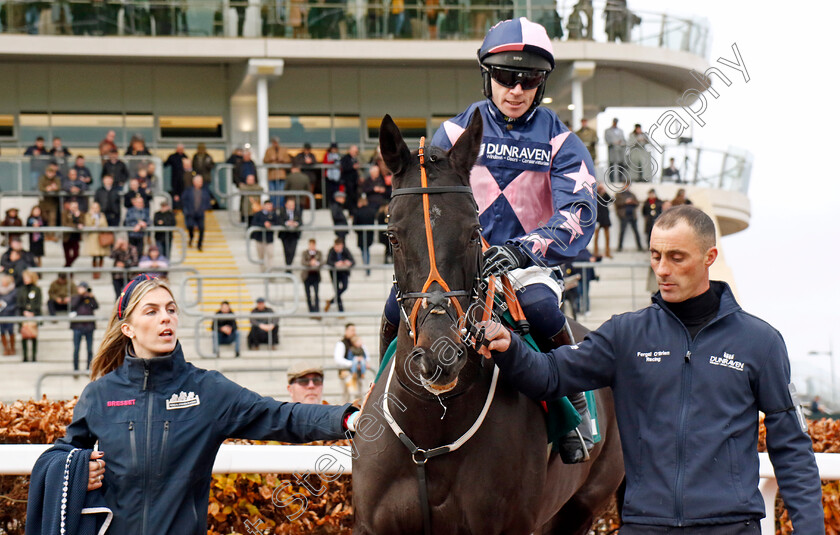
{"points": [[94, 244], [29, 302], [159, 420], [36, 239]]}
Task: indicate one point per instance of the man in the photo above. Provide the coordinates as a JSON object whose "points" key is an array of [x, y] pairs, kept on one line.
{"points": [[83, 171], [625, 208], [536, 213], [306, 382], [108, 198], [249, 202], [175, 163], [72, 218], [689, 374], [116, 168], [124, 256], [38, 159], [305, 160], [337, 212], [340, 352], [651, 210], [164, 218], [244, 167], [311, 259], [226, 330], [194, 202], [50, 185], [58, 296], [276, 154], [83, 304], [137, 217], [76, 187], [589, 138], [349, 178], [290, 218], [265, 329], [671, 172], [340, 260], [614, 136], [265, 218], [108, 144], [638, 158], [59, 155]]}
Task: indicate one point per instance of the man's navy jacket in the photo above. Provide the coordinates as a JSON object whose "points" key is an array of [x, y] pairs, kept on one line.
{"points": [[160, 422], [688, 412]]}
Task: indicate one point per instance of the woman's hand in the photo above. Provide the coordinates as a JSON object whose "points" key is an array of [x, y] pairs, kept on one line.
{"points": [[497, 336], [96, 470]]}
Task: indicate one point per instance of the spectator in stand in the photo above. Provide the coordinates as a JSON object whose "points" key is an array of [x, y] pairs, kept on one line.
{"points": [[72, 218], [175, 163], [381, 219], [164, 218], [265, 218], [306, 383], [625, 208], [137, 217], [75, 187], [49, 185], [638, 158], [265, 329], [116, 168], [194, 202], [109, 199], [125, 256], [137, 146], [340, 352], [614, 136], [589, 138], [136, 188], [83, 304], [337, 212], [276, 154], [679, 199], [108, 145], [235, 161], [226, 331], [365, 215], [95, 243], [29, 304], [60, 155], [83, 172], [818, 409], [333, 173], [340, 261], [671, 172], [651, 210], [202, 164], [15, 265], [8, 307], [603, 219], [349, 164], [38, 160], [311, 259], [58, 295], [11, 220], [36, 239], [376, 190], [305, 160], [358, 357], [154, 263], [290, 218], [244, 168], [249, 202], [297, 180]]}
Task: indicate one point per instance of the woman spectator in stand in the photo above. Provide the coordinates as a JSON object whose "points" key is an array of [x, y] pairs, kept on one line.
{"points": [[8, 307], [11, 220], [95, 243], [172, 448], [36, 239], [29, 302], [73, 218], [154, 263]]}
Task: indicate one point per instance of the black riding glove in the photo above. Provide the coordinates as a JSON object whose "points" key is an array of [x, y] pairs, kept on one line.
{"points": [[500, 259]]}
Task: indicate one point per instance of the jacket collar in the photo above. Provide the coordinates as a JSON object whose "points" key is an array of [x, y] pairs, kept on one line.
{"points": [[728, 304], [161, 370], [504, 120]]}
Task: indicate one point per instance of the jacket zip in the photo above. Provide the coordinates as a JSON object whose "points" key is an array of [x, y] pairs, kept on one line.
{"points": [[133, 445], [146, 479], [163, 447]]}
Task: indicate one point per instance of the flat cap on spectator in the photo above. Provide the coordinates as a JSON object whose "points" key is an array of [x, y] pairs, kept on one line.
{"points": [[338, 194], [84, 285], [260, 300], [302, 368]]}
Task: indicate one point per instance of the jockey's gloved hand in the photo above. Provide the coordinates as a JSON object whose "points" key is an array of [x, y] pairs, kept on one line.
{"points": [[500, 259]]}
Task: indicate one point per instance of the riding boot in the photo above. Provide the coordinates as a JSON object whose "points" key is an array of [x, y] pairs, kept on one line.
{"points": [[387, 333], [576, 445], [12, 349]]}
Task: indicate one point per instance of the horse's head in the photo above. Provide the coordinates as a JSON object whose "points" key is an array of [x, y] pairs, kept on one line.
{"points": [[436, 239]]}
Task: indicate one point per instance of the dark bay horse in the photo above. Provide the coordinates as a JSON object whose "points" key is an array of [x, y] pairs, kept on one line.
{"points": [[494, 473]]}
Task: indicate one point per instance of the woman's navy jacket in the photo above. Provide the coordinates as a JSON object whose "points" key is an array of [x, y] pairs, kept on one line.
{"points": [[160, 423], [688, 412]]}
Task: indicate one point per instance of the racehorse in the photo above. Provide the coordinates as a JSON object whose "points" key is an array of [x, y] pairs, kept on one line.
{"points": [[444, 445]]}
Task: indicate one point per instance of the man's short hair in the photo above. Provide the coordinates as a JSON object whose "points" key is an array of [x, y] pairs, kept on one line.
{"points": [[700, 223], [348, 325], [338, 241]]}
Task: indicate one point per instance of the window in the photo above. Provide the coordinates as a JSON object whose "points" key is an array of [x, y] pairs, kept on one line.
{"points": [[192, 127], [7, 126]]}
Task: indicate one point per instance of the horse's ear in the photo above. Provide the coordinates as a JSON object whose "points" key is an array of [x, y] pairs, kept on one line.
{"points": [[395, 152], [463, 154]]}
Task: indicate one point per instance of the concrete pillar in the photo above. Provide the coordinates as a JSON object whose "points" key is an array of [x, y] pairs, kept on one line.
{"points": [[577, 103], [262, 124]]}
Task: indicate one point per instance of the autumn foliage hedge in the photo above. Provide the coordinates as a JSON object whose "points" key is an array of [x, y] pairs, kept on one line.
{"points": [[270, 503]]}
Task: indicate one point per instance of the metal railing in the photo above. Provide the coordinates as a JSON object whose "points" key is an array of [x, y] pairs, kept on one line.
{"points": [[196, 284], [23, 172], [234, 209], [325, 19], [346, 229]]}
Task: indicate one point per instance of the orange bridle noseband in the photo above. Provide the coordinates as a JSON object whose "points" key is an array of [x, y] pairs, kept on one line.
{"points": [[435, 299]]}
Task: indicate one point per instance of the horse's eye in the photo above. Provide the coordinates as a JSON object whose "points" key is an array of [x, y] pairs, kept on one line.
{"points": [[476, 235], [392, 239], [432, 158]]}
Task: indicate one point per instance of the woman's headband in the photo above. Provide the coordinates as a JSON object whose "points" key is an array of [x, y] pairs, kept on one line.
{"points": [[125, 296]]}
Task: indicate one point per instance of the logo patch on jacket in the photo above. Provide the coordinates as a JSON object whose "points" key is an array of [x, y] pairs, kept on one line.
{"points": [[516, 154], [182, 401], [653, 356], [727, 361]]}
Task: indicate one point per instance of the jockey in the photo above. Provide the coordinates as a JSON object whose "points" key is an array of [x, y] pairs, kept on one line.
{"points": [[535, 189]]}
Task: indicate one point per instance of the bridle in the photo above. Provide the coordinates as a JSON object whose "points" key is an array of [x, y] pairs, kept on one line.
{"points": [[435, 299]]}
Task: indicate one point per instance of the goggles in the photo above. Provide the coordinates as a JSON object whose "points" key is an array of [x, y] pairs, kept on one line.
{"points": [[510, 77], [304, 381]]}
